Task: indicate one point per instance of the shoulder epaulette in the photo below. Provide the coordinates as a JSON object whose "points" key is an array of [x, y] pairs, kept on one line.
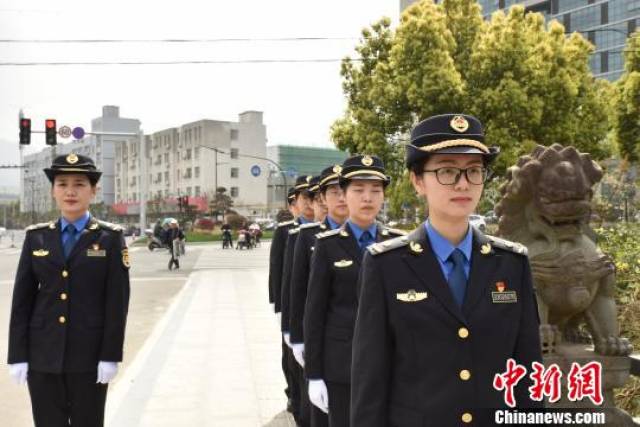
{"points": [[294, 230], [109, 225], [41, 225], [507, 245], [328, 233], [387, 245], [393, 231], [285, 223], [311, 225]]}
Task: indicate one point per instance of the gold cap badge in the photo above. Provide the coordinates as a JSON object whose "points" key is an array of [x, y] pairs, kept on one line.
{"points": [[309, 178], [459, 124], [337, 169], [72, 159], [367, 160]]}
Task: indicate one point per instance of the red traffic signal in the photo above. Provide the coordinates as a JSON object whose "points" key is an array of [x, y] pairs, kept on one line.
{"points": [[25, 131], [51, 132]]}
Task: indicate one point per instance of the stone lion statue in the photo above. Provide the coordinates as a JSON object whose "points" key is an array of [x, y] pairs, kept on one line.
{"points": [[546, 205]]}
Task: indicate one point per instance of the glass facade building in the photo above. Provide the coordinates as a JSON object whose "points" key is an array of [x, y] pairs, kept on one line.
{"points": [[606, 24]]}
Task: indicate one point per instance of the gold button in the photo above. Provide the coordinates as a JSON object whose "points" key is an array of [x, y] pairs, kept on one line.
{"points": [[65, 273], [63, 296], [465, 375], [463, 332], [61, 319], [466, 417]]}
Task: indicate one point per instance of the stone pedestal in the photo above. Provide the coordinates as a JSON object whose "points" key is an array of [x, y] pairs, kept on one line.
{"points": [[615, 373]]}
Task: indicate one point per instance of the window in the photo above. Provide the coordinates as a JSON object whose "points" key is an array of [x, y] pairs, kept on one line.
{"points": [[234, 134], [234, 192], [604, 62], [234, 153], [166, 176], [166, 158], [197, 171], [187, 154], [188, 191], [188, 173], [197, 191], [234, 172], [196, 152], [159, 177]]}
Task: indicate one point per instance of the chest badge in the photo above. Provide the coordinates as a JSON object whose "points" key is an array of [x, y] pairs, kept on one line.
{"points": [[343, 263], [40, 253], [502, 296], [411, 296], [416, 247], [95, 251], [485, 249], [125, 258]]}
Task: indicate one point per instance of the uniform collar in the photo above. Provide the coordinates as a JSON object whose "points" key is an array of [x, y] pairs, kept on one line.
{"points": [[79, 224], [302, 220], [443, 248], [332, 223], [357, 231]]}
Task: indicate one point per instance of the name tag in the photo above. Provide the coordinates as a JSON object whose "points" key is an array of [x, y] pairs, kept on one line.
{"points": [[507, 297], [96, 253]]}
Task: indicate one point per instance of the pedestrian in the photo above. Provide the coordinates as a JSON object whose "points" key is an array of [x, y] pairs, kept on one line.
{"points": [[304, 204], [330, 210], [175, 238], [276, 260], [70, 302], [443, 309], [331, 305]]}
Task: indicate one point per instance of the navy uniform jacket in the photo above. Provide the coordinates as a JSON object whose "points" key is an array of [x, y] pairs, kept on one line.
{"points": [[287, 267], [332, 300], [276, 257], [67, 315], [420, 360], [300, 276]]}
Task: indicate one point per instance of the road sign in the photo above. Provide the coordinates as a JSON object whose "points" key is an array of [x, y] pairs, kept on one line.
{"points": [[78, 132], [255, 170], [64, 132]]}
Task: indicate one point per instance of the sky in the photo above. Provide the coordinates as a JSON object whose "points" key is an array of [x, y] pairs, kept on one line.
{"points": [[300, 101]]}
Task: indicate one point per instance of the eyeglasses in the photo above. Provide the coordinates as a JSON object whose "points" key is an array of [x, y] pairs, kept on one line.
{"points": [[450, 176]]}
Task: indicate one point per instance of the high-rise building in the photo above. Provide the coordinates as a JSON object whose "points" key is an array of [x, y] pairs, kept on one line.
{"points": [[605, 23]]}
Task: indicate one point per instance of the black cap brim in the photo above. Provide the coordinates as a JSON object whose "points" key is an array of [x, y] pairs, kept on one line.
{"points": [[93, 176]]}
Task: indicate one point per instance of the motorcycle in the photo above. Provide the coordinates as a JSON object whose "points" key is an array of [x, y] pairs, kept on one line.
{"points": [[154, 241]]}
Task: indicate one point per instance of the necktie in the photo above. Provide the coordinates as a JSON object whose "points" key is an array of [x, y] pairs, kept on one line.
{"points": [[365, 240], [71, 231], [457, 278]]}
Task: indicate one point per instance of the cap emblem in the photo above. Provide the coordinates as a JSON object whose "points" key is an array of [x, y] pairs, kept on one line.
{"points": [[72, 159], [367, 161], [459, 124]]}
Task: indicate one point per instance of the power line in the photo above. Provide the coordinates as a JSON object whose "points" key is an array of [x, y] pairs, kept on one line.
{"points": [[213, 40], [194, 62]]}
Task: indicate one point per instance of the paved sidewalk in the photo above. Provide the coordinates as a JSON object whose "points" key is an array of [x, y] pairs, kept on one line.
{"points": [[214, 358]]}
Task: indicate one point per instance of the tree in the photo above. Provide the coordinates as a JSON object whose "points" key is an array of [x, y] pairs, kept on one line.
{"points": [[526, 81], [626, 121], [221, 203]]}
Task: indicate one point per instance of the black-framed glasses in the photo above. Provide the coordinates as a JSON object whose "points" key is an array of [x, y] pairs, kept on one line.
{"points": [[449, 175]]}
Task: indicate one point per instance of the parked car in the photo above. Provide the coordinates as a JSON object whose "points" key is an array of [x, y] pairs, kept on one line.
{"points": [[478, 222]]}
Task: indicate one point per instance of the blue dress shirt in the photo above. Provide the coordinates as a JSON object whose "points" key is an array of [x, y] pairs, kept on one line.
{"points": [[443, 248], [332, 223], [357, 231], [79, 224]]}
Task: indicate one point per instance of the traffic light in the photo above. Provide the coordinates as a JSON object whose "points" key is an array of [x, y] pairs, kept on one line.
{"points": [[185, 203], [51, 132], [25, 131], [180, 203]]}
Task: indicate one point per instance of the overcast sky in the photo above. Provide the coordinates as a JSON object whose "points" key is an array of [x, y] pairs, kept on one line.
{"points": [[300, 101]]}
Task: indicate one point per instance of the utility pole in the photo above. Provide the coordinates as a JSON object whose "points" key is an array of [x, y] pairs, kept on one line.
{"points": [[143, 181]]}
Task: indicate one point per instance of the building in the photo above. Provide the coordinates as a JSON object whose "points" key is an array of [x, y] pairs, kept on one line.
{"points": [[35, 189], [294, 161], [606, 24], [193, 160]]}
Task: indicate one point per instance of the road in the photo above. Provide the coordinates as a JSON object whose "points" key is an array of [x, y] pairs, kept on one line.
{"points": [[201, 349]]}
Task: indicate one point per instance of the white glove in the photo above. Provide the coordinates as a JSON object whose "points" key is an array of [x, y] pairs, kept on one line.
{"points": [[287, 340], [106, 371], [18, 372], [318, 395], [298, 352]]}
